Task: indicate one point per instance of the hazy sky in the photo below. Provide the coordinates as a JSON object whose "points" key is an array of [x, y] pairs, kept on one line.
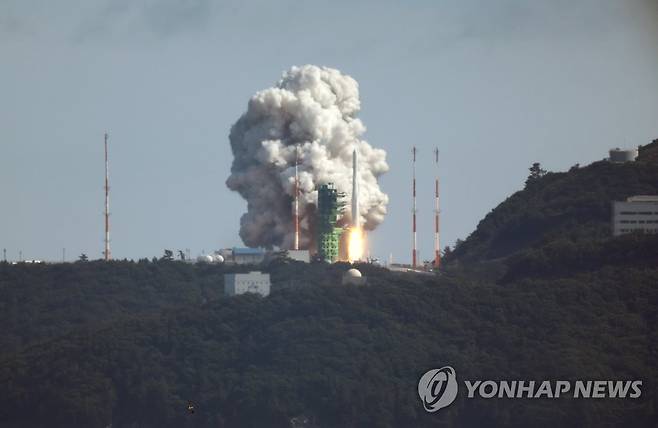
{"points": [[496, 84]]}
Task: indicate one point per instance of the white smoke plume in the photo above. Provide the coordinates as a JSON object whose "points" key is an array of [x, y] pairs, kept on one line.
{"points": [[312, 108]]}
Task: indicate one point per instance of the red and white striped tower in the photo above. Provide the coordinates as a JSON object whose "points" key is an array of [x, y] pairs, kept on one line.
{"points": [[107, 253], [296, 213], [437, 243], [414, 250]]}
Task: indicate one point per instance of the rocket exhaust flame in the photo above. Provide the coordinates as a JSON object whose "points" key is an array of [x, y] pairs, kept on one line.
{"points": [[356, 245]]}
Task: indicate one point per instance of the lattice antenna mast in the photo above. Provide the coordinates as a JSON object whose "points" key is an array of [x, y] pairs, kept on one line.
{"points": [[107, 254], [414, 250], [437, 212]]}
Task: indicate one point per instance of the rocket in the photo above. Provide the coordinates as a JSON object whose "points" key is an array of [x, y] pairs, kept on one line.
{"points": [[356, 218]]}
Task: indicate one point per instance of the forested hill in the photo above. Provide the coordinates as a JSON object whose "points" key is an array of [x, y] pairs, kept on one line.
{"points": [[314, 349], [43, 301], [573, 205], [129, 344]]}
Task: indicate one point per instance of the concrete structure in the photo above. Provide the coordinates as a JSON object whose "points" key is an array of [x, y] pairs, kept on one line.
{"points": [[299, 255], [243, 256], [252, 282], [637, 214], [618, 155], [353, 277], [239, 256]]}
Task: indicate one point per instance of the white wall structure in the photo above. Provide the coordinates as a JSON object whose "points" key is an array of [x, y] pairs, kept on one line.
{"points": [[299, 255], [618, 155], [242, 256], [252, 282], [636, 214]]}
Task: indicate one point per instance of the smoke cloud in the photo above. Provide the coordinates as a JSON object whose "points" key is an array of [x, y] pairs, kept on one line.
{"points": [[312, 108]]}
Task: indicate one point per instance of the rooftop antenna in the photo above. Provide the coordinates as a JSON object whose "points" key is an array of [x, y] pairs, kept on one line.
{"points": [[437, 244], [414, 250], [296, 212], [107, 253]]}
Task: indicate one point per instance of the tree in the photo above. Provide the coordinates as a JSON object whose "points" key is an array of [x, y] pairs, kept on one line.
{"points": [[83, 257], [447, 252], [181, 254], [535, 172], [168, 255]]}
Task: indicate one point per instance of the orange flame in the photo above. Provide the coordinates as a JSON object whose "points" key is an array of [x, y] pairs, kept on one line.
{"points": [[355, 245]]}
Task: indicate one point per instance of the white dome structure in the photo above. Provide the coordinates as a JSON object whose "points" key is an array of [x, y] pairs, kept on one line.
{"points": [[353, 277], [205, 259], [218, 258]]}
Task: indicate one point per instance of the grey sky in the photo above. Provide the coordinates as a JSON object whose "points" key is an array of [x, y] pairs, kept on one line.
{"points": [[496, 84]]}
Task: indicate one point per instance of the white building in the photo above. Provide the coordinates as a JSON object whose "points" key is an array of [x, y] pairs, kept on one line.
{"points": [[299, 255], [618, 155], [252, 282], [636, 214], [242, 256]]}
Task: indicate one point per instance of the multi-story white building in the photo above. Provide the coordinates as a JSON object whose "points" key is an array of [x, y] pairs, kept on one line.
{"points": [[252, 282], [636, 214]]}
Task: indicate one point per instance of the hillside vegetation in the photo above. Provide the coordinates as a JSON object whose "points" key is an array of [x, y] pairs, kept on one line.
{"points": [[573, 205], [342, 356], [539, 291]]}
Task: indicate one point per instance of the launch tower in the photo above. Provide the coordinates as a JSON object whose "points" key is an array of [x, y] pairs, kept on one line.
{"points": [[329, 207]]}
